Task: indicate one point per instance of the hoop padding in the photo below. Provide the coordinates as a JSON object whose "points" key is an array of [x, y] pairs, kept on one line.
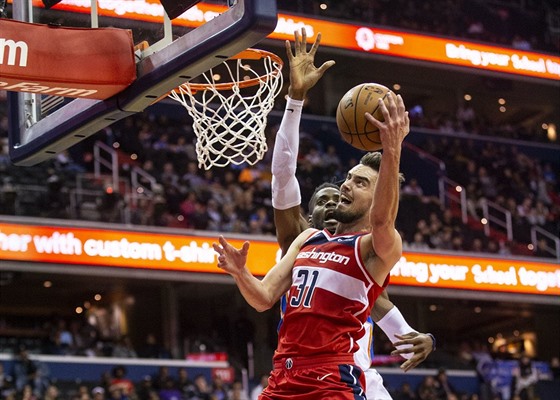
{"points": [[229, 119]]}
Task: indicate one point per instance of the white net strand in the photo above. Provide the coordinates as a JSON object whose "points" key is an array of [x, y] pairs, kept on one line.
{"points": [[233, 131]]}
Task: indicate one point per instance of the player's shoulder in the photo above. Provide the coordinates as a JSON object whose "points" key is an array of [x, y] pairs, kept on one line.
{"points": [[307, 233]]}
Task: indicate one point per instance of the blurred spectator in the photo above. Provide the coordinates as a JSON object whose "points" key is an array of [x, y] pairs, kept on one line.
{"points": [[541, 250], [555, 368], [62, 340], [405, 392], [8, 197], [152, 349], [183, 380], [7, 387], [200, 389], [98, 393], [444, 388], [525, 379], [260, 222], [51, 393], [219, 389], [428, 389], [214, 216], [160, 380], [418, 243], [412, 188], [55, 200], [146, 388], [120, 384], [520, 43], [110, 204], [28, 393], [30, 373], [83, 393], [257, 390], [237, 392], [169, 391], [466, 117], [124, 348]]}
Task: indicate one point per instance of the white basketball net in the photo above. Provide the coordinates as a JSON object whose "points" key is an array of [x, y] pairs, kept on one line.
{"points": [[230, 123]]}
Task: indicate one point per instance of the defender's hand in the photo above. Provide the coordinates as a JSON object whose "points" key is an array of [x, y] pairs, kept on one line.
{"points": [[421, 346], [303, 74]]}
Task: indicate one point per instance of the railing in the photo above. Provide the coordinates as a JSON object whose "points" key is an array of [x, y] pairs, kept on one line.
{"points": [[537, 231], [429, 159], [451, 192], [26, 199], [111, 162], [139, 189], [84, 205], [487, 208]]}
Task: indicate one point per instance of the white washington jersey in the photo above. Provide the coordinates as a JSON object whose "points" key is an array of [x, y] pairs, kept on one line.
{"points": [[329, 301]]}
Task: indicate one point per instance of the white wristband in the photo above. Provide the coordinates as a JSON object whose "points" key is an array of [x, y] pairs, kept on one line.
{"points": [[393, 323]]}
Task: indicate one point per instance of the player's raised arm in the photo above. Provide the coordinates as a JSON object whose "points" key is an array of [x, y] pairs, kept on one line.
{"points": [[387, 243], [286, 196]]}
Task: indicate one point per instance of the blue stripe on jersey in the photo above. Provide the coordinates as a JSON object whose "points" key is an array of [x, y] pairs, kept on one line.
{"points": [[350, 374], [324, 236], [371, 352], [283, 305]]}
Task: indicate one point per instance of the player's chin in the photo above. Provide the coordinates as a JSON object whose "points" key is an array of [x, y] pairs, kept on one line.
{"points": [[330, 225]]}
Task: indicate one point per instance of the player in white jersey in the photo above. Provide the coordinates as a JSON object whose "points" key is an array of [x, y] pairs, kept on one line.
{"points": [[286, 199]]}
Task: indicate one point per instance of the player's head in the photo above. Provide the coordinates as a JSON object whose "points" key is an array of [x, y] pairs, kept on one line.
{"points": [[322, 205], [373, 160], [356, 192]]}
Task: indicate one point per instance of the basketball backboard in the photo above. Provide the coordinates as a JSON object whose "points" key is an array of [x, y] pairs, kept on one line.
{"points": [[179, 50]]}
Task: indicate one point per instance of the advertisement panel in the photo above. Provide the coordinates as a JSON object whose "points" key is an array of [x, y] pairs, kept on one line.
{"points": [[348, 36], [189, 253]]}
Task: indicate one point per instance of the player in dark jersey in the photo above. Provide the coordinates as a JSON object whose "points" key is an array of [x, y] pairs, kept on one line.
{"points": [[333, 280], [286, 199]]}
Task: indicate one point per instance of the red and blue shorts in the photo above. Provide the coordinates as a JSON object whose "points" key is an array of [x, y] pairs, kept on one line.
{"points": [[315, 378]]}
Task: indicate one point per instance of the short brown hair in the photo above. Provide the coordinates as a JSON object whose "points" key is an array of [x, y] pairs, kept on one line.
{"points": [[373, 160]]}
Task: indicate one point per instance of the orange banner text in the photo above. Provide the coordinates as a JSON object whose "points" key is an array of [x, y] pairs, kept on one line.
{"points": [[161, 251], [125, 249], [351, 37], [474, 273]]}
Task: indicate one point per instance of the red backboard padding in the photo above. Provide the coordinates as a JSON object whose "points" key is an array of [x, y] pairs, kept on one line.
{"points": [[93, 63]]}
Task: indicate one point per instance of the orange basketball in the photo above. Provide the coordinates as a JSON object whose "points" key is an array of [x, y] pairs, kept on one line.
{"points": [[350, 115]]}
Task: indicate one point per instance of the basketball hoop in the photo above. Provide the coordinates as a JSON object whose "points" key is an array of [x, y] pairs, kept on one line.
{"points": [[229, 119]]}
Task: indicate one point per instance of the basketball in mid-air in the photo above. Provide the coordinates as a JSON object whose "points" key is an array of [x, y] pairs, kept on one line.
{"points": [[350, 115]]}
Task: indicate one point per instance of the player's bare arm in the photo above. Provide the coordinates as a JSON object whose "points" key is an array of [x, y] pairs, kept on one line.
{"points": [[260, 294], [381, 307], [386, 241], [285, 194]]}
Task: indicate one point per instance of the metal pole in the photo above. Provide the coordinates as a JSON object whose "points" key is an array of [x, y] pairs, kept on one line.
{"points": [[30, 112], [94, 14], [463, 196]]}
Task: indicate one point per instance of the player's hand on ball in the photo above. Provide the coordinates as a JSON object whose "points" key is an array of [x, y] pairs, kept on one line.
{"points": [[230, 259], [396, 124], [420, 344]]}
